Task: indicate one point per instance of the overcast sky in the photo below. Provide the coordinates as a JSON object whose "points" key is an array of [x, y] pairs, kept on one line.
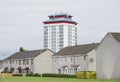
{"points": [[21, 21]]}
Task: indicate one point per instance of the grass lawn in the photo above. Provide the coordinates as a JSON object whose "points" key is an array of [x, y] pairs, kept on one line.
{"points": [[45, 79]]}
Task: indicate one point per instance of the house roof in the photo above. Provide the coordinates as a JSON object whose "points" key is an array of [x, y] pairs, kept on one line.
{"points": [[26, 54], [60, 14], [116, 35], [79, 49], [1, 62], [60, 20]]}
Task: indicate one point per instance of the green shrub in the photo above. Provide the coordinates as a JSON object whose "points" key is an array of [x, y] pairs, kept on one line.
{"points": [[34, 75], [5, 71], [86, 74], [31, 74], [58, 75], [82, 74], [78, 75], [17, 74], [93, 74], [37, 74], [52, 75]]}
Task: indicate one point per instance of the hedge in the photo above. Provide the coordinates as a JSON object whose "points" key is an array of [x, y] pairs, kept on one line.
{"points": [[34, 75], [58, 75], [17, 74], [5, 71], [79, 74], [86, 74], [52, 75]]}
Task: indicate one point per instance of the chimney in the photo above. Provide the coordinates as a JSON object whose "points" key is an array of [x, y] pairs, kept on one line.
{"points": [[21, 49]]}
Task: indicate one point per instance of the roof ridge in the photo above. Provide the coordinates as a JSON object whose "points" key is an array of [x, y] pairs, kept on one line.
{"points": [[60, 13], [114, 32], [116, 36], [36, 50], [81, 49], [26, 54], [83, 44]]}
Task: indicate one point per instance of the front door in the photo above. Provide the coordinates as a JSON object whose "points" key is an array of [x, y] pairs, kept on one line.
{"points": [[59, 71]]}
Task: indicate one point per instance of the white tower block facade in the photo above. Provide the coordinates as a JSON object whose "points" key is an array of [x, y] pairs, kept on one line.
{"points": [[59, 31]]}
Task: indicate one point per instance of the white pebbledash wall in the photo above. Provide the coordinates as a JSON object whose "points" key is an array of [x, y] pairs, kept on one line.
{"points": [[85, 65], [43, 63], [92, 64], [108, 58]]}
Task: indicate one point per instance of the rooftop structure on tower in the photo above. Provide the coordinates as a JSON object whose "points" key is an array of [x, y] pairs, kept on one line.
{"points": [[60, 18], [59, 31]]}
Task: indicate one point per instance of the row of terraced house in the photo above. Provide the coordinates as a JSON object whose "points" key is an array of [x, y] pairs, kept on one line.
{"points": [[67, 61], [103, 57]]}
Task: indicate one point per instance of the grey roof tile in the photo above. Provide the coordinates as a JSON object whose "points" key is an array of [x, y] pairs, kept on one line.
{"points": [[116, 35], [26, 54], [79, 49]]}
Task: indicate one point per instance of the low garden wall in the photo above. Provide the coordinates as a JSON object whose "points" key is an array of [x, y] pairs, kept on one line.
{"points": [[6, 74]]}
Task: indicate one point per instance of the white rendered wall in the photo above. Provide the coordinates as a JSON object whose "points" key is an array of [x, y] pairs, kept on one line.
{"points": [[108, 59], [43, 63], [92, 63], [65, 38]]}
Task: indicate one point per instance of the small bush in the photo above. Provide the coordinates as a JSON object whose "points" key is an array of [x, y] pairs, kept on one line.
{"points": [[93, 75], [5, 71], [86, 74]]}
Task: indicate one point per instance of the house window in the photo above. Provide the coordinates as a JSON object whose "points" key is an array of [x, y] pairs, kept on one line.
{"points": [[13, 61], [59, 71], [60, 59], [27, 61], [72, 59], [24, 62], [6, 62], [19, 62], [10, 61], [84, 58], [65, 59], [54, 59], [16, 61], [31, 61], [76, 58]]}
